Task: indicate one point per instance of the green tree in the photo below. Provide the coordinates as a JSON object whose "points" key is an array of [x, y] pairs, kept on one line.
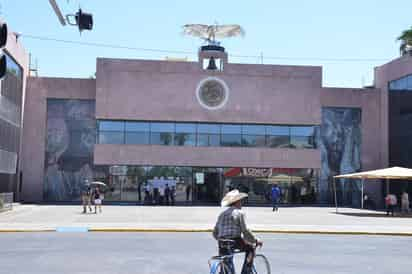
{"points": [[406, 40]]}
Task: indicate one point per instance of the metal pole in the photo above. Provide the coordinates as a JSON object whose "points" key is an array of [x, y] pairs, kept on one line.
{"points": [[57, 11], [336, 201], [362, 193], [387, 186]]}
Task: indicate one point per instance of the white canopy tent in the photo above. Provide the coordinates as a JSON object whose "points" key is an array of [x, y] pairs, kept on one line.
{"points": [[392, 173]]}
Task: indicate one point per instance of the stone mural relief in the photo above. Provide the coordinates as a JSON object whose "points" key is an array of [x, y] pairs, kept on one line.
{"points": [[340, 145], [71, 129]]}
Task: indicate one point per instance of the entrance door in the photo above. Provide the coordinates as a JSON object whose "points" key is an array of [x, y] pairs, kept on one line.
{"points": [[209, 190]]}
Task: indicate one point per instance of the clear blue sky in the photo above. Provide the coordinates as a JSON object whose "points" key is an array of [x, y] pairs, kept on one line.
{"points": [[305, 30]]}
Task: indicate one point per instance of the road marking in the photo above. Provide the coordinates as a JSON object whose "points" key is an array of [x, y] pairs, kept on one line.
{"points": [[71, 229]]}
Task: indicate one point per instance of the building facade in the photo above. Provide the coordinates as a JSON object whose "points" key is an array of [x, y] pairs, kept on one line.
{"points": [[12, 88], [395, 78], [142, 125]]}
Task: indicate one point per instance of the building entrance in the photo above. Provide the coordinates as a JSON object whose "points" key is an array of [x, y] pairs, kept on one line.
{"points": [[207, 187]]}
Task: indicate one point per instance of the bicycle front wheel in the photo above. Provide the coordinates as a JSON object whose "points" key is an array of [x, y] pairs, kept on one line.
{"points": [[261, 265]]}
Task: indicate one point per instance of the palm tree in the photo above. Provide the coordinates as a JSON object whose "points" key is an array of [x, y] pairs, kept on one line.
{"points": [[406, 40]]}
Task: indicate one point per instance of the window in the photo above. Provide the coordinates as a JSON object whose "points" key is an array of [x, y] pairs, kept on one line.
{"points": [[253, 135], [185, 134], [137, 133], [162, 133], [404, 83], [111, 132], [278, 136], [208, 135], [231, 135], [302, 137]]}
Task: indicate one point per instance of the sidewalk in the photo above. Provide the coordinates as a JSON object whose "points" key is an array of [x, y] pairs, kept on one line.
{"points": [[260, 219]]}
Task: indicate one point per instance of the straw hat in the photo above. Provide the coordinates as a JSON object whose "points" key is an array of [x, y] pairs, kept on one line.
{"points": [[232, 197]]}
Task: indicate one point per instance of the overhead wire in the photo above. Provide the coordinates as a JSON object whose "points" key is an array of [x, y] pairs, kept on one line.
{"points": [[113, 46]]}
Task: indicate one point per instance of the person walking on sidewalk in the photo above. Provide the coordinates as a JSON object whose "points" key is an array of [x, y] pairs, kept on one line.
{"points": [[97, 195], [231, 225], [86, 196], [405, 202], [391, 202], [167, 194], [173, 195], [275, 197]]}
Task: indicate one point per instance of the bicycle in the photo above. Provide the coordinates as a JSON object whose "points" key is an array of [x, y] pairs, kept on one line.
{"points": [[223, 264]]}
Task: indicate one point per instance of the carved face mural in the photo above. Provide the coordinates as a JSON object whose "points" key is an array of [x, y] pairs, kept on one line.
{"points": [[340, 144], [70, 141]]}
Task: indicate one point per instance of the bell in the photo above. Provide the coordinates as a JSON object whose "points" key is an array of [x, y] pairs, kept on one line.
{"points": [[212, 64]]}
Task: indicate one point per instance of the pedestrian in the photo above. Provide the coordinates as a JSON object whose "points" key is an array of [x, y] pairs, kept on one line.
{"points": [[167, 194], [275, 197], [161, 194], [173, 194], [86, 196], [390, 201], [139, 192], [366, 201], [188, 188], [147, 195], [97, 195], [405, 201]]}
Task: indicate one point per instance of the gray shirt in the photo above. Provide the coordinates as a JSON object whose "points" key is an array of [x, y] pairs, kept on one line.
{"points": [[231, 224]]}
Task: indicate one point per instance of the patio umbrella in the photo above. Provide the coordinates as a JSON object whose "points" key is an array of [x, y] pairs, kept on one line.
{"points": [[97, 183]]}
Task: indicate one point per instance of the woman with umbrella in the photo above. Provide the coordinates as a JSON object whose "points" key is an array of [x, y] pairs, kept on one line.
{"points": [[98, 196]]}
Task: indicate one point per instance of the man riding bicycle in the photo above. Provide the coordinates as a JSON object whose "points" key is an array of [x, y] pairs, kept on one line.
{"points": [[231, 225]]}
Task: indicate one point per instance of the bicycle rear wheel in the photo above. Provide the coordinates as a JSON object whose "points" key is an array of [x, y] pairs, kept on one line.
{"points": [[261, 265], [219, 267]]}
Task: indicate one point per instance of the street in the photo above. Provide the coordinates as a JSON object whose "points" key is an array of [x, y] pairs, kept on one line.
{"points": [[144, 253]]}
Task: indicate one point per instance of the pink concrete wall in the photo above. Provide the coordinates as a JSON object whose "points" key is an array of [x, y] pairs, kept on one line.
{"points": [[34, 132], [383, 74], [166, 91], [105, 154]]}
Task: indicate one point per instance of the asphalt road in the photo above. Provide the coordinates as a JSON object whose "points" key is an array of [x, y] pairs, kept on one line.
{"points": [[181, 253]]}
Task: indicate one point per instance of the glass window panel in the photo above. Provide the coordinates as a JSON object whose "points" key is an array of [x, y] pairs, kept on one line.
{"points": [[278, 141], [208, 128], [111, 126], [302, 142], [253, 140], [231, 140], [277, 130], [185, 128], [206, 140], [404, 83], [231, 129], [162, 127], [185, 139], [253, 130], [111, 137], [161, 138], [302, 131], [137, 126], [138, 138]]}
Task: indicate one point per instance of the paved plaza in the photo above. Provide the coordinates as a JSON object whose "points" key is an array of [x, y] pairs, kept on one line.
{"points": [[129, 218]]}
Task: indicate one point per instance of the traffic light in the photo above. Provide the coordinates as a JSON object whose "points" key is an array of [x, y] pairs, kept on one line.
{"points": [[3, 42], [84, 21]]}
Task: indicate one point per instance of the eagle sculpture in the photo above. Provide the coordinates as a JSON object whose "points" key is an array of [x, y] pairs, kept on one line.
{"points": [[209, 33]]}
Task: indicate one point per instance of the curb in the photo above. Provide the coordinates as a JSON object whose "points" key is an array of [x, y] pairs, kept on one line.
{"points": [[26, 230], [207, 230]]}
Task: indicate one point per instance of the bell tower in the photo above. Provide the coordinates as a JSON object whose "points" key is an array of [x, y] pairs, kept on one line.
{"points": [[212, 57]]}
